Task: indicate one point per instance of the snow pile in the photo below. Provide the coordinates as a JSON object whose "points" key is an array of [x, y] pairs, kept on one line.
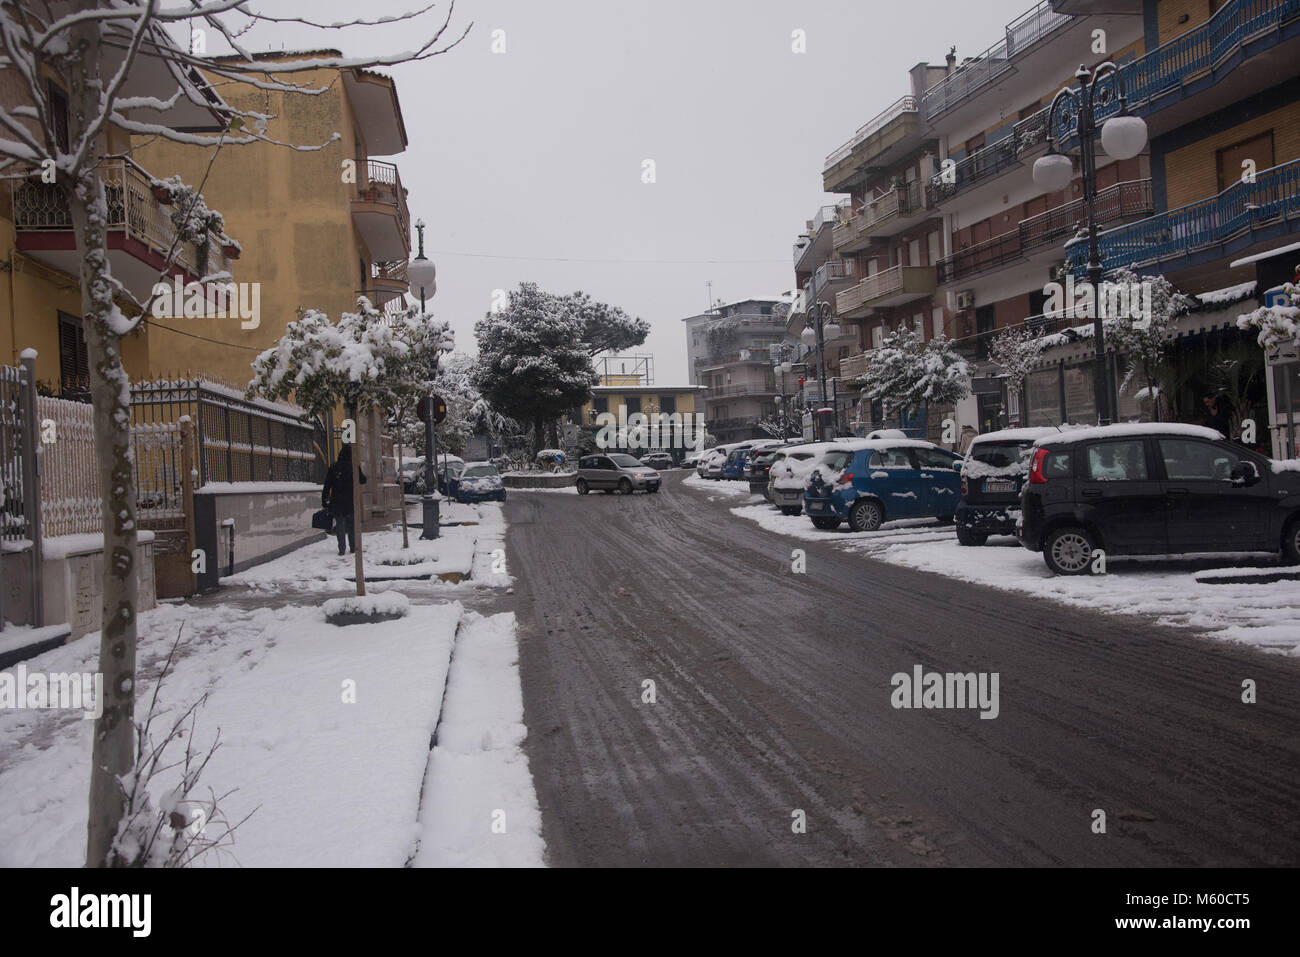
{"points": [[479, 807], [1130, 430], [1285, 465], [386, 605]]}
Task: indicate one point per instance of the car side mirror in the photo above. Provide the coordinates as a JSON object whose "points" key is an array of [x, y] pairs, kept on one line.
{"points": [[1244, 473]]}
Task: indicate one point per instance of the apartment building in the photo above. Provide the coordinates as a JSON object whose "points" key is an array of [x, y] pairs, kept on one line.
{"points": [[946, 229], [319, 227], [729, 349]]}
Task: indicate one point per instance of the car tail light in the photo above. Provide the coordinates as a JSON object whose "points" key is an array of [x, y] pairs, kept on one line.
{"points": [[1036, 476], [845, 478], [964, 486]]}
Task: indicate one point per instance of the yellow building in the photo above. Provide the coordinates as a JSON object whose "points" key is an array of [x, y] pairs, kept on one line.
{"points": [[318, 227]]}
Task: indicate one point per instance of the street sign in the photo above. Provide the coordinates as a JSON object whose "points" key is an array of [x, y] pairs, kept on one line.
{"points": [[439, 409]]}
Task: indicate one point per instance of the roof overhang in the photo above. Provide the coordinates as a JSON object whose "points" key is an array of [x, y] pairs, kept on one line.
{"points": [[379, 115]]}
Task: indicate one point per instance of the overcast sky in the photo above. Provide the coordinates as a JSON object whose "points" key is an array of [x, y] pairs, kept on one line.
{"points": [[527, 165]]}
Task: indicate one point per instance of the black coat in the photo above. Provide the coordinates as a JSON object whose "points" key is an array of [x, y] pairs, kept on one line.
{"points": [[337, 494]]}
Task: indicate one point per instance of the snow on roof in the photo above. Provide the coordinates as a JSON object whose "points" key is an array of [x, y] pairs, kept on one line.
{"points": [[1016, 435], [1228, 294], [880, 444], [1123, 430], [1246, 261]]}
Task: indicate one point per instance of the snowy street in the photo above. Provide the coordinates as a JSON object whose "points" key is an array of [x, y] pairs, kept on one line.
{"points": [[772, 695]]}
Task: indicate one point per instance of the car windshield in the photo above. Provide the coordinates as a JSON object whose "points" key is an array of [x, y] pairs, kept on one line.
{"points": [[625, 461], [479, 471], [999, 455]]}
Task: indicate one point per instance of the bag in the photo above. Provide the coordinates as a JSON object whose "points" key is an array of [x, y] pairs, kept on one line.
{"points": [[324, 520]]}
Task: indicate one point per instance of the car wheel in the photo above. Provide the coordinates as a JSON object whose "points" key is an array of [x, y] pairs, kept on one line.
{"points": [[1068, 551], [1291, 542], [865, 516], [582, 486], [608, 491], [790, 509], [946, 519], [966, 537], [821, 522], [652, 489], [624, 486]]}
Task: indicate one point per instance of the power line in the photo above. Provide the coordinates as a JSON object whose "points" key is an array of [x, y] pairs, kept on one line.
{"points": [[233, 345], [649, 262]]}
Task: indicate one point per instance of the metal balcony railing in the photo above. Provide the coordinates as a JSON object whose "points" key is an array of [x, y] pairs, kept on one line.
{"points": [[395, 271], [132, 207], [1121, 201], [736, 389], [384, 185], [990, 160], [1273, 197], [887, 282], [828, 272], [900, 201], [853, 366], [979, 72], [906, 104]]}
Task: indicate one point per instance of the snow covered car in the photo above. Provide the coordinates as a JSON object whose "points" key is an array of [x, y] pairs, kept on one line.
{"points": [[657, 460], [992, 475], [480, 481], [883, 480], [789, 472], [1155, 488]]}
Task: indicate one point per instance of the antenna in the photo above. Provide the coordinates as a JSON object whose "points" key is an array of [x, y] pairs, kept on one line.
{"points": [[709, 286]]}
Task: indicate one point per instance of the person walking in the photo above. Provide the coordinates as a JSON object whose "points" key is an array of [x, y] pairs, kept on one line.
{"points": [[337, 497]]}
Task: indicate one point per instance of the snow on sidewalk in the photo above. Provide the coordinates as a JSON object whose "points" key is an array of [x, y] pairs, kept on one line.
{"points": [[1174, 590], [479, 807], [719, 487], [324, 733]]}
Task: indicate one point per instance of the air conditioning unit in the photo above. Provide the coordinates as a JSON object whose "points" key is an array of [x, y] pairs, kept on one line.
{"points": [[966, 299]]}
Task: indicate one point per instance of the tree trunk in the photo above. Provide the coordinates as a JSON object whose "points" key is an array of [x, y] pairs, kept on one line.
{"points": [[539, 424], [555, 433], [113, 750], [401, 482], [1155, 399], [356, 503]]}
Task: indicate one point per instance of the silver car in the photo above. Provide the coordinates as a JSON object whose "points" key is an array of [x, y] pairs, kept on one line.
{"points": [[615, 472]]}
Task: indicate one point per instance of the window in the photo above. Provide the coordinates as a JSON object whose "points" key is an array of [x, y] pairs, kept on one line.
{"points": [[1122, 461], [877, 337], [936, 322], [668, 404], [633, 403], [985, 322], [934, 247], [74, 362], [890, 459], [600, 404], [933, 459], [1189, 460], [1057, 465], [914, 252], [59, 109]]}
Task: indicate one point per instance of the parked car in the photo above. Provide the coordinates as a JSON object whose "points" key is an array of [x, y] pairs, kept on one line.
{"points": [[615, 472], [449, 475], [789, 472], [692, 458], [1154, 489], [734, 467], [756, 471], [881, 480], [710, 466], [995, 469], [480, 481], [657, 460]]}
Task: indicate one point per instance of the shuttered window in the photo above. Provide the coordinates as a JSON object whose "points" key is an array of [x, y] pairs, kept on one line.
{"points": [[74, 362]]}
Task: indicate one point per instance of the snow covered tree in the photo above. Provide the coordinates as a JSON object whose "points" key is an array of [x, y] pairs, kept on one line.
{"points": [[97, 50], [1143, 339], [534, 364], [606, 328], [1275, 325], [909, 374], [1014, 352]]}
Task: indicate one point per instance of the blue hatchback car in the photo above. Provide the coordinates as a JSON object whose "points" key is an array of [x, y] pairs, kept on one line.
{"points": [[867, 483]]}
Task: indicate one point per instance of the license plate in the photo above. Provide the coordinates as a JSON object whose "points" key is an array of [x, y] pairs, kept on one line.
{"points": [[999, 485], [816, 506]]}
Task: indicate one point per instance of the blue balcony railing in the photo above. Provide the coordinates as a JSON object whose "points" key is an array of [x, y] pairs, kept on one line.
{"points": [[1273, 197], [1201, 49]]}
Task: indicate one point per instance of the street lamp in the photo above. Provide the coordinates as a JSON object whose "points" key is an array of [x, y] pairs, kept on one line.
{"points": [[1122, 136], [422, 274]]}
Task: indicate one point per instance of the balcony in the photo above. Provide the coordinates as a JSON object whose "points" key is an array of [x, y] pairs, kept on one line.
{"points": [[853, 367], [1242, 214], [870, 144], [831, 275], [141, 233], [388, 281], [1045, 231], [740, 389], [826, 216], [1028, 139], [982, 71], [883, 216], [890, 287], [380, 213]]}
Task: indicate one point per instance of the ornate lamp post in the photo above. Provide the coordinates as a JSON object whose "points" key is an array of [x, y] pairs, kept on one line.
{"points": [[423, 274], [1122, 136]]}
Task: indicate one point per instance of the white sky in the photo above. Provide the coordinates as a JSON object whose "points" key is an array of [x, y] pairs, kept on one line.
{"points": [[535, 155]]}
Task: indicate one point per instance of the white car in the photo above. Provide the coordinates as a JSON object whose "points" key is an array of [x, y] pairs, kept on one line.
{"points": [[790, 471]]}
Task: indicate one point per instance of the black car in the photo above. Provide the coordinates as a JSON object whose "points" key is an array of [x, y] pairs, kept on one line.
{"points": [[995, 470], [759, 467], [1154, 490]]}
